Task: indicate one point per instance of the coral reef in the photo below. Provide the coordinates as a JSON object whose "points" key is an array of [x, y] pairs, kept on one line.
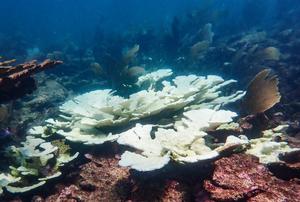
{"points": [[83, 119], [241, 177], [161, 122]]}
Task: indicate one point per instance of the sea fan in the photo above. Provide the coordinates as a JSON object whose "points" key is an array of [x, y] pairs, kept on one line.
{"points": [[262, 93]]}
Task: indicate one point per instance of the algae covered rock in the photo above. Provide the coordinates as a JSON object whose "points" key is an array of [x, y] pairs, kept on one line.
{"points": [[242, 178], [101, 179]]}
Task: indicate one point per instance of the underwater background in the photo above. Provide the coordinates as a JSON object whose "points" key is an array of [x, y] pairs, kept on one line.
{"points": [[59, 57]]}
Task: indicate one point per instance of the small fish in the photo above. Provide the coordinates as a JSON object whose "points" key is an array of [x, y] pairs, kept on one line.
{"points": [[181, 58]]}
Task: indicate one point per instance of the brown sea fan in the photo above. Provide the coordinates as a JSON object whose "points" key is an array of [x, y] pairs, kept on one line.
{"points": [[262, 93]]}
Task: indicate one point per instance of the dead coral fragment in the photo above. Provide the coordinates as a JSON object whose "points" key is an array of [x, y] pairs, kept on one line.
{"points": [[16, 81], [262, 93], [6, 65], [21, 71], [241, 177]]}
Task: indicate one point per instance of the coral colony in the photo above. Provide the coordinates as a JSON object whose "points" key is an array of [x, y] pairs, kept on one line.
{"points": [[191, 106]]}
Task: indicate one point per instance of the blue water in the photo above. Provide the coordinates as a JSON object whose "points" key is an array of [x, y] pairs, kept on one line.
{"points": [[49, 23], [164, 29]]}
